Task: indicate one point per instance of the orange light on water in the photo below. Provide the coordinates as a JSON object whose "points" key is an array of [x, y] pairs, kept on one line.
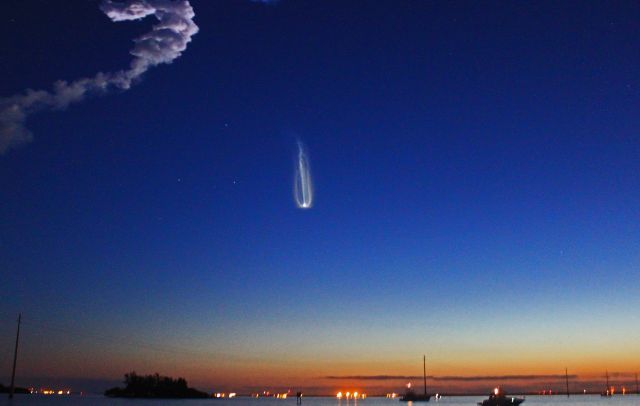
{"points": [[356, 395], [53, 392]]}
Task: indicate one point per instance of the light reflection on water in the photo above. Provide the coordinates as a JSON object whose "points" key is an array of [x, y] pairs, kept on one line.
{"points": [[578, 400]]}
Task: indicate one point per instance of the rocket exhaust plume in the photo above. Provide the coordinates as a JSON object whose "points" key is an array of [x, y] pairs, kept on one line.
{"points": [[163, 44], [302, 185]]}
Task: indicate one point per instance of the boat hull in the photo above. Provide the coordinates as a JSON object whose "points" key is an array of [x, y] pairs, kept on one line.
{"points": [[501, 401], [415, 398]]}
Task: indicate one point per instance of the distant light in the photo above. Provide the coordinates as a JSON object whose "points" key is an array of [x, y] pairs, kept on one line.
{"points": [[339, 395], [232, 395]]}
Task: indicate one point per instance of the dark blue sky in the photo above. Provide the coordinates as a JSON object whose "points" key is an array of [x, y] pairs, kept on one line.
{"points": [[475, 164]]}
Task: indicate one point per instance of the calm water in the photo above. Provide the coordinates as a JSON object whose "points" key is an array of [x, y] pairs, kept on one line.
{"points": [[30, 400]]}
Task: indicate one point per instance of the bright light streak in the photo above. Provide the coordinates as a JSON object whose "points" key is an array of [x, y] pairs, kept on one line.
{"points": [[302, 185]]}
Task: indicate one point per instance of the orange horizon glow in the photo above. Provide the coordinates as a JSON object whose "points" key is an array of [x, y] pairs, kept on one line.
{"points": [[279, 373]]}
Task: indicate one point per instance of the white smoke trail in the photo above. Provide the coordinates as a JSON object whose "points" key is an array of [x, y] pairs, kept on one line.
{"points": [[302, 185], [163, 44]]}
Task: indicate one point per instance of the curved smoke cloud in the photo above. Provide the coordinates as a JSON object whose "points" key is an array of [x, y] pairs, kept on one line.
{"points": [[302, 185], [163, 44]]}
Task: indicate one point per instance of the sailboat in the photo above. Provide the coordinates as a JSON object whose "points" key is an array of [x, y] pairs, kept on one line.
{"points": [[410, 395], [607, 392]]}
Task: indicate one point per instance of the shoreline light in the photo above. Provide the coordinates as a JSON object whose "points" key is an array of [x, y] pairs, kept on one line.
{"points": [[353, 395]]}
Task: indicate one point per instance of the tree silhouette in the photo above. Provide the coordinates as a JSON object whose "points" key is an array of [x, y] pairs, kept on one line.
{"points": [[154, 386]]}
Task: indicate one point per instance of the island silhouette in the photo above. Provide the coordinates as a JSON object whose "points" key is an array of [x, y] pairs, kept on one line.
{"points": [[6, 389], [154, 386]]}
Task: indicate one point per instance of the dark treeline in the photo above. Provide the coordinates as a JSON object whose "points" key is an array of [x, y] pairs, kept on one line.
{"points": [[5, 389], [154, 386]]}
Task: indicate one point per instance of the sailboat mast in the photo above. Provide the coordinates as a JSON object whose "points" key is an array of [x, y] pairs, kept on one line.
{"points": [[566, 377], [607, 373], [15, 358], [424, 373]]}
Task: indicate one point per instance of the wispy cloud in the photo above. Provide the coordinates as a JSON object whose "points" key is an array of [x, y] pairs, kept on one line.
{"points": [[448, 378], [163, 44]]}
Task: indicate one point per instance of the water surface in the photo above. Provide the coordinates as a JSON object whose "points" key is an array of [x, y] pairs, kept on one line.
{"points": [[90, 400]]}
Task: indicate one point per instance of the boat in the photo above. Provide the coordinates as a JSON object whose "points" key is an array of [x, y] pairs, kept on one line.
{"points": [[498, 398], [608, 391], [410, 395]]}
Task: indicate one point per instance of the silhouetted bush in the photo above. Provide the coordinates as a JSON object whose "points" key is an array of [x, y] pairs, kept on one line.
{"points": [[154, 386]]}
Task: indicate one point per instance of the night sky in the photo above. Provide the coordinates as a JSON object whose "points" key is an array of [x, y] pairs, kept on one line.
{"points": [[476, 194]]}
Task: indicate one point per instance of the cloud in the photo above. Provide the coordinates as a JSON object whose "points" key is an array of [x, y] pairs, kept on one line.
{"points": [[621, 374], [449, 378], [162, 45]]}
